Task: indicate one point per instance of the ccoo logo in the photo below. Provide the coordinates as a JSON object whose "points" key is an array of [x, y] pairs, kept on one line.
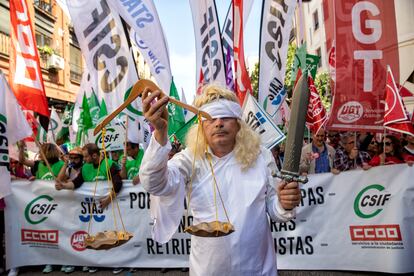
{"points": [[39, 208], [370, 200]]}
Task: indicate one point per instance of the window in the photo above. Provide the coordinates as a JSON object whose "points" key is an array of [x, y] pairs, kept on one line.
{"points": [[43, 40], [319, 54], [75, 63], [45, 5], [315, 20]]}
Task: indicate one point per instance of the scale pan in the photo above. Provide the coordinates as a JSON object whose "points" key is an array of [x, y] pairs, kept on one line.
{"points": [[107, 240], [210, 229]]}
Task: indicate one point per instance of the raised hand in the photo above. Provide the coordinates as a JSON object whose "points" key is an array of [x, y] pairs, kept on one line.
{"points": [[289, 194], [154, 105]]}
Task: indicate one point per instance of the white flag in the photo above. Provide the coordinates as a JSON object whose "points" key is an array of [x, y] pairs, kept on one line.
{"points": [[261, 123], [209, 52], [55, 125], [147, 34], [276, 25], [13, 127]]}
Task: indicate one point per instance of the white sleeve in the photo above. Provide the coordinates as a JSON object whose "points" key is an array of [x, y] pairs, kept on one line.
{"points": [[165, 181], [273, 207]]}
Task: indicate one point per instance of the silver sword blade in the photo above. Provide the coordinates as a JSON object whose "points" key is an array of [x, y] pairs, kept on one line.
{"points": [[294, 140]]}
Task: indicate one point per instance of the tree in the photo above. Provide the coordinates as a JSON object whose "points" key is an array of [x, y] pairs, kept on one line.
{"points": [[322, 84], [254, 79]]}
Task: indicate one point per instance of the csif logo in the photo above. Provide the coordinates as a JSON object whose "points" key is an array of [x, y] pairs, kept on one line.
{"points": [[39, 208], [369, 201], [90, 209], [350, 112], [109, 138]]}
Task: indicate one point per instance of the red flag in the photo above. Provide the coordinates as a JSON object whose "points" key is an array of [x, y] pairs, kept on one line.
{"points": [[200, 83], [25, 75], [396, 116], [316, 116], [332, 61], [242, 83], [394, 106]]}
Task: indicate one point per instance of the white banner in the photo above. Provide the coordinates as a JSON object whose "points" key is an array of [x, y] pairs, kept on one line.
{"points": [[261, 123], [148, 35], [210, 60], [357, 220], [277, 19]]}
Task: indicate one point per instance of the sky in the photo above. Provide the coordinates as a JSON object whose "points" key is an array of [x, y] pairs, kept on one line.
{"points": [[177, 22]]}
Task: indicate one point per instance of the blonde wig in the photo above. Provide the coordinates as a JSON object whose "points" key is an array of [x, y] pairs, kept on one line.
{"points": [[247, 147]]}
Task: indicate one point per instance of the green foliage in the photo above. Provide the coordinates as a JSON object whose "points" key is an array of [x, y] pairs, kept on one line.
{"points": [[254, 79], [289, 66], [322, 84], [46, 50]]}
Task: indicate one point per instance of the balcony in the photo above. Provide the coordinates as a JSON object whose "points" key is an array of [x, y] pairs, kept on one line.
{"points": [[4, 44], [45, 5]]}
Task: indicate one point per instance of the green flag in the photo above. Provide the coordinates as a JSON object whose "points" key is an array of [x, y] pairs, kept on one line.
{"points": [[103, 112], [181, 133], [312, 64], [84, 122], [94, 107], [299, 62], [41, 135], [63, 134], [176, 118]]}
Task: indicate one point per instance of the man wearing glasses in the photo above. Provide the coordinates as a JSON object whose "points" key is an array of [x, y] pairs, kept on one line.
{"points": [[348, 157]]}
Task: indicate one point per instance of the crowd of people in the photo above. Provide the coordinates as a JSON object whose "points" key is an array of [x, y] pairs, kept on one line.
{"points": [[327, 152]]}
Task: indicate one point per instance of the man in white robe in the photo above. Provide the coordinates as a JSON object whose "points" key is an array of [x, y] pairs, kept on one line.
{"points": [[243, 171]]}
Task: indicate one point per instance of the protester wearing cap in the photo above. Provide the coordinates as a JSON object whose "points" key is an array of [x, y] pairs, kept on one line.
{"points": [[242, 169], [73, 164]]}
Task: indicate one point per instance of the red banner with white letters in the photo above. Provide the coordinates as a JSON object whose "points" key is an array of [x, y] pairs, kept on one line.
{"points": [[366, 42], [25, 76]]}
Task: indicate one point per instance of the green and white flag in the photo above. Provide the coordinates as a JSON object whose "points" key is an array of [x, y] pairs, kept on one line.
{"points": [[181, 133], [13, 126], [55, 126], [94, 107], [41, 135], [84, 122], [176, 118]]}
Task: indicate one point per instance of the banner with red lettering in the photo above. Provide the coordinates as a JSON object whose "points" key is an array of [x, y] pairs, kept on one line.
{"points": [[25, 76], [366, 42]]}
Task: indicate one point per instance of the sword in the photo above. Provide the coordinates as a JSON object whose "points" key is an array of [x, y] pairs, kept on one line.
{"points": [[294, 140]]}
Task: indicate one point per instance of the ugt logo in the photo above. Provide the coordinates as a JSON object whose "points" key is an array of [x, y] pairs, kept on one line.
{"points": [[39, 209], [90, 209], [369, 201]]}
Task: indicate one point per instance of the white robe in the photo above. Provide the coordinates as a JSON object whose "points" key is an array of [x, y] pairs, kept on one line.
{"points": [[247, 195]]}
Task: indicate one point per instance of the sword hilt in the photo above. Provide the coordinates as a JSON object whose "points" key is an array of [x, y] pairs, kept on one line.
{"points": [[291, 177]]}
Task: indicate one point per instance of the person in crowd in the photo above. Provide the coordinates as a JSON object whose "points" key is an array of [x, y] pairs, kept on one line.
{"points": [[239, 161], [130, 168], [389, 152], [333, 139], [348, 157], [39, 168], [18, 170], [73, 164], [116, 156], [94, 169], [373, 147], [276, 152], [317, 157], [408, 150]]}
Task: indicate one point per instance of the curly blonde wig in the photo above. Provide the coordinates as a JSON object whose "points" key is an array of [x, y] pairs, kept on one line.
{"points": [[247, 147]]}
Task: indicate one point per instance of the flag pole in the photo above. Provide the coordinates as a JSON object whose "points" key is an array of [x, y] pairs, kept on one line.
{"points": [[126, 135]]}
